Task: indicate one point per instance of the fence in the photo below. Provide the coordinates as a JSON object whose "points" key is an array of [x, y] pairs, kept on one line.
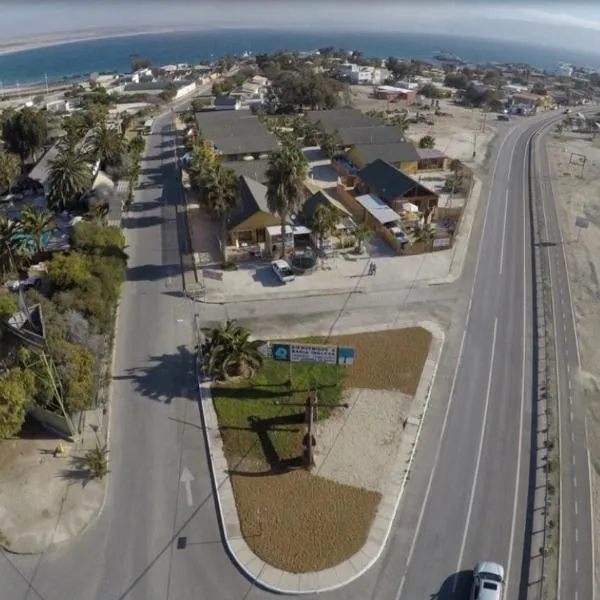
{"points": [[545, 373]]}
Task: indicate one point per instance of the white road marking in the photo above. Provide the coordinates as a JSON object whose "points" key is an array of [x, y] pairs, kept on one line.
{"points": [[576, 534], [571, 416], [503, 233], [568, 368], [576, 508], [573, 460], [187, 478], [576, 566], [572, 436], [593, 556], [574, 482], [479, 453], [570, 400], [569, 384], [451, 396]]}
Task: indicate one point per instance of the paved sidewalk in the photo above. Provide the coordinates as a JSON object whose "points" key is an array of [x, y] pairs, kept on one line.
{"points": [[282, 582], [254, 281]]}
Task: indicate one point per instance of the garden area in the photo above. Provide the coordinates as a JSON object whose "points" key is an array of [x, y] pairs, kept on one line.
{"points": [[292, 517]]}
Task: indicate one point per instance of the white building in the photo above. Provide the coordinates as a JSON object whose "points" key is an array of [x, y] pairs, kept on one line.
{"points": [[59, 106], [361, 75], [184, 90], [563, 70], [407, 84]]}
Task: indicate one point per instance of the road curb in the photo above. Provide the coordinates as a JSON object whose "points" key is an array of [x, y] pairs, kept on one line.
{"points": [[254, 568]]}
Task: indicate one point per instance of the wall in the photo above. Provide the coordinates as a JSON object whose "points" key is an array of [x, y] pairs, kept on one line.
{"points": [[186, 89], [52, 421], [257, 221]]}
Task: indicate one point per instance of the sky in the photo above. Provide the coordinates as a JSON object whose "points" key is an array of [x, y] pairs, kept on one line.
{"points": [[567, 25]]}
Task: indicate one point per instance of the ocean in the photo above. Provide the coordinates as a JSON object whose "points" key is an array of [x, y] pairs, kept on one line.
{"points": [[78, 59]]}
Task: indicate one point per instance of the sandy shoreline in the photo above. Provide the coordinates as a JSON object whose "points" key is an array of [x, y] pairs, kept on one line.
{"points": [[22, 45]]}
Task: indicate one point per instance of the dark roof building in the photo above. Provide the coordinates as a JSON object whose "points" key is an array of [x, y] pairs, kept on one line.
{"points": [[236, 133], [398, 152], [389, 183], [321, 198], [339, 118], [255, 169], [376, 134]]}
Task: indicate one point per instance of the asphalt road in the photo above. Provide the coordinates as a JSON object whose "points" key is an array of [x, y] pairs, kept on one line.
{"points": [[469, 483]]}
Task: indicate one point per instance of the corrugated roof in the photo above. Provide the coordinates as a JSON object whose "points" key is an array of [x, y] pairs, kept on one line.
{"points": [[393, 153], [426, 153], [378, 209], [252, 198], [376, 134], [338, 118]]}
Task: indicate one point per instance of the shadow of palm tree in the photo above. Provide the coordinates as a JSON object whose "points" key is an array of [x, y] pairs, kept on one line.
{"points": [[77, 473]]}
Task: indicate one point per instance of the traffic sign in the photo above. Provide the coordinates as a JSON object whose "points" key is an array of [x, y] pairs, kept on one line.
{"points": [[345, 356], [281, 352], [313, 353]]}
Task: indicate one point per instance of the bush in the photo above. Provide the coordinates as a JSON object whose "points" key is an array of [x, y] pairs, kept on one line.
{"points": [[229, 266], [96, 462]]}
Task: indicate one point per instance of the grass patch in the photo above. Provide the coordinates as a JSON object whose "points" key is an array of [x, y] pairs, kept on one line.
{"points": [[259, 432]]}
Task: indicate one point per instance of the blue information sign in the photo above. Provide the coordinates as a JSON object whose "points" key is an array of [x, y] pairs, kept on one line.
{"points": [[281, 352], [345, 356]]}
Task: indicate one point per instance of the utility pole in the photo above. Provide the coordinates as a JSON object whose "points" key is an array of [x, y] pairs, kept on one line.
{"points": [[310, 408], [46, 81]]}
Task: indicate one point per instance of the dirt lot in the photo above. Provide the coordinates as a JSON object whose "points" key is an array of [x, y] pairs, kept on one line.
{"points": [[579, 197], [457, 135], [277, 506]]}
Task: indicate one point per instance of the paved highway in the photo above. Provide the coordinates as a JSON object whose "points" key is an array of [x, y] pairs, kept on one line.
{"points": [[469, 484]]}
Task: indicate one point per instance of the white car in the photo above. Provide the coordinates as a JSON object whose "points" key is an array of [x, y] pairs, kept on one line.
{"points": [[283, 271], [488, 580], [23, 284]]}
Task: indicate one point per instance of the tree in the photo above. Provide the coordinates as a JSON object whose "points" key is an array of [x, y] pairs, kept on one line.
{"points": [[324, 222], [285, 175], [126, 121], [329, 143], [68, 270], [425, 233], [16, 391], [458, 81], [169, 92], [70, 175], [76, 371], [229, 352], [36, 225], [138, 62], [137, 145], [221, 196], [429, 90], [294, 90], [96, 462], [9, 231], [10, 168], [427, 141], [361, 234], [25, 132], [106, 145]]}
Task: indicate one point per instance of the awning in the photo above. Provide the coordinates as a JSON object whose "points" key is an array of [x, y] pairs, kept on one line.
{"points": [[289, 229]]}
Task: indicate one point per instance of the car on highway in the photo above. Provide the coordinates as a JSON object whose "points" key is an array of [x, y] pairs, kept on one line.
{"points": [[283, 270], [488, 579]]}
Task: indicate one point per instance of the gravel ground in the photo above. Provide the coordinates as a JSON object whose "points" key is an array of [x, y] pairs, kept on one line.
{"points": [[345, 455], [355, 447], [576, 197]]}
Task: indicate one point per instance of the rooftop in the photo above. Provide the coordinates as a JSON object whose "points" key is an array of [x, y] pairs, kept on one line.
{"points": [[254, 169], [339, 118], [392, 152], [378, 209], [425, 153], [388, 181], [253, 199], [373, 134], [41, 171]]}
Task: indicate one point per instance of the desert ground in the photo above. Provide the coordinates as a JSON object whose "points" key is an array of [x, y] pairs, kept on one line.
{"points": [[458, 134], [577, 192]]}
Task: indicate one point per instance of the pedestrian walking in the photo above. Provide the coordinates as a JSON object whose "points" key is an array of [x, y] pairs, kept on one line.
{"points": [[371, 265], [374, 269]]}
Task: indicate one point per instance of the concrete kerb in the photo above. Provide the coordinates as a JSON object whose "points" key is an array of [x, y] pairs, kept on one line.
{"points": [[271, 579]]}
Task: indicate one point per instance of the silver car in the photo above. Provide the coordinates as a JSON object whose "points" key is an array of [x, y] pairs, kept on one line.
{"points": [[488, 581]]}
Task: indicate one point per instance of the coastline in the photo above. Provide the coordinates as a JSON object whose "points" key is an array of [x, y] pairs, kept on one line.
{"points": [[82, 36]]}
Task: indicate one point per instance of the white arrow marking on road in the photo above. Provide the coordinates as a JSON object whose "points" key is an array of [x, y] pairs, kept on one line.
{"points": [[187, 478]]}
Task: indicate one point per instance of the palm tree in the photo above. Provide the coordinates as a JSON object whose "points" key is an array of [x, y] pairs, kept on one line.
{"points": [[361, 234], [70, 175], [324, 222], [36, 225], [106, 145], [137, 145], [9, 231], [126, 121], [425, 233], [229, 352], [10, 167], [221, 196], [285, 176]]}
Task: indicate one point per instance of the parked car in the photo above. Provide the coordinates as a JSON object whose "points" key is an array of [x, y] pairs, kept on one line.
{"points": [[283, 271], [503, 117], [23, 284], [488, 580]]}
